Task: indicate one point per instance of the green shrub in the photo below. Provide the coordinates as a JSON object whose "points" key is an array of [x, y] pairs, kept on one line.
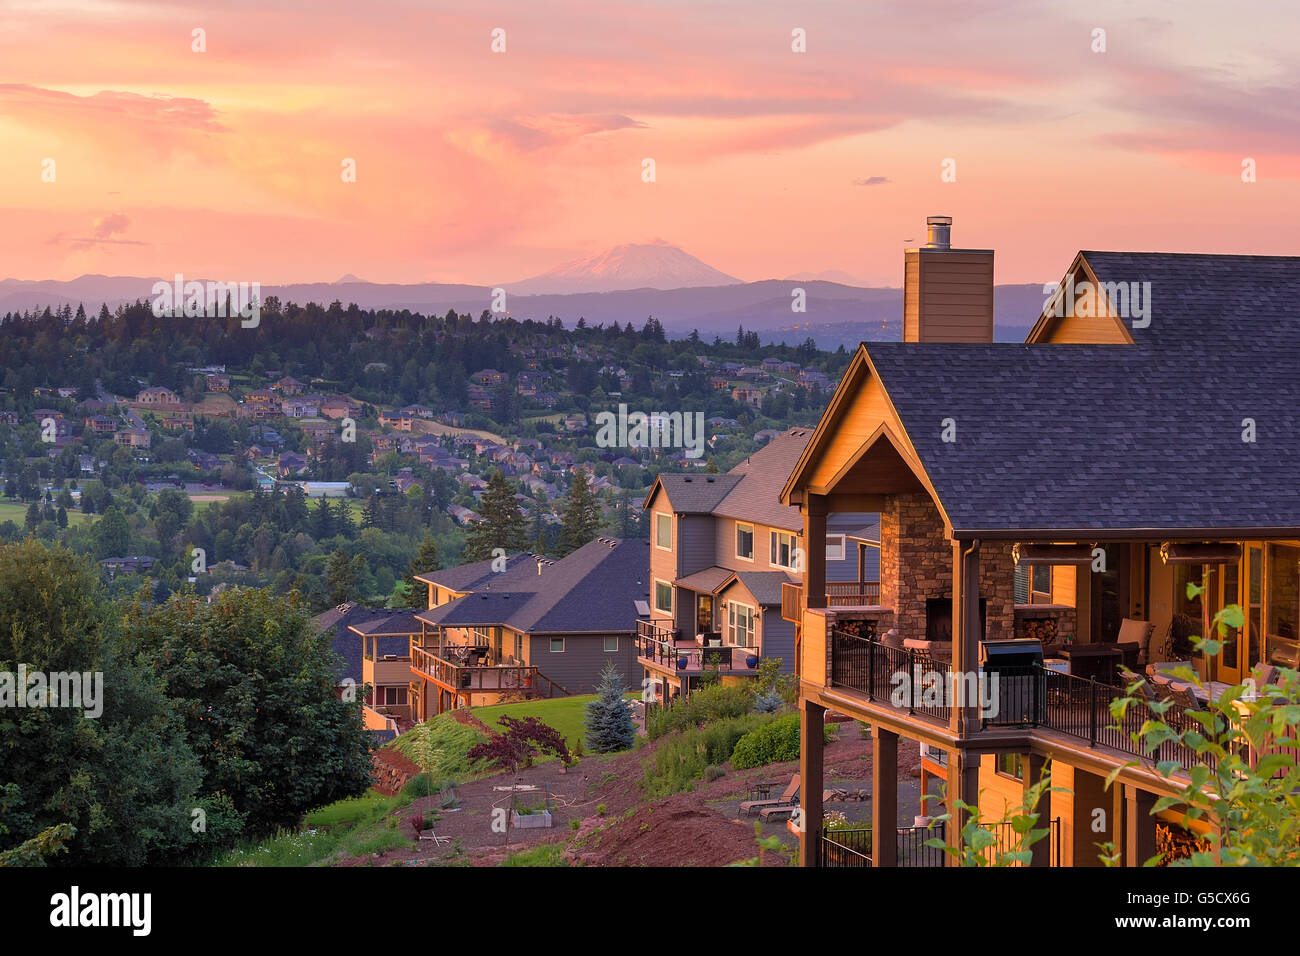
{"points": [[682, 758], [777, 741], [712, 772], [380, 842], [717, 702], [600, 809], [451, 740]]}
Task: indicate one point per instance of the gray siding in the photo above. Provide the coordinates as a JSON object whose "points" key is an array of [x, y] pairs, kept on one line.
{"points": [[778, 639], [695, 543], [578, 668]]}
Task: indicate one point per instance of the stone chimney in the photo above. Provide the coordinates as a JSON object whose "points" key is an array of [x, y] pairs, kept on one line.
{"points": [[947, 292]]}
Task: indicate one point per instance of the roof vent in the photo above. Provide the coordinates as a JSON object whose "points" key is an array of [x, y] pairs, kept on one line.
{"points": [[938, 232]]}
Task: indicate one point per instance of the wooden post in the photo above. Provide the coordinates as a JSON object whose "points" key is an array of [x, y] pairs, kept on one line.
{"points": [[963, 785], [1041, 852], [967, 633], [814, 542], [1140, 826], [884, 797], [811, 729]]}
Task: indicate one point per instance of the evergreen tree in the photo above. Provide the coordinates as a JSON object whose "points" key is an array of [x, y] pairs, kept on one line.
{"points": [[580, 518], [500, 524], [426, 559], [340, 579], [609, 717]]}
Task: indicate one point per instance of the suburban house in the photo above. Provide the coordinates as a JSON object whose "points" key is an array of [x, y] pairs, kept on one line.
{"points": [[374, 644], [157, 395], [723, 554], [1144, 436], [524, 626]]}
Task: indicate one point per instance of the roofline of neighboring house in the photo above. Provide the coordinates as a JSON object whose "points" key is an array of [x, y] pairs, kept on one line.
{"points": [[1126, 534]]}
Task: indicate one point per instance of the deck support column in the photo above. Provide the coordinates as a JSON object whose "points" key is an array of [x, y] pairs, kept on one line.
{"points": [[884, 797], [1035, 767], [814, 547], [963, 786], [966, 634], [1140, 826], [811, 766]]}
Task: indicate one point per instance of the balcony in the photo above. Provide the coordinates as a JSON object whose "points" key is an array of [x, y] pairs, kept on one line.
{"points": [[1018, 696], [469, 679], [851, 848], [661, 646], [838, 594]]}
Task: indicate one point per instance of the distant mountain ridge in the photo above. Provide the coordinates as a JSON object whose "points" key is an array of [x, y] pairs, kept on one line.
{"points": [[836, 314]]}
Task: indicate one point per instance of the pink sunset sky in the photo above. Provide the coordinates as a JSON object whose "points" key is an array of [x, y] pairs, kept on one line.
{"points": [[483, 167]]}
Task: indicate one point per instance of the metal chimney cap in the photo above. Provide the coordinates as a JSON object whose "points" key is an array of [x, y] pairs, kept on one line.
{"points": [[938, 232]]}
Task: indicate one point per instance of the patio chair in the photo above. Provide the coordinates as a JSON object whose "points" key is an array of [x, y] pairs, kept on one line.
{"points": [[785, 809], [788, 797], [1134, 632]]}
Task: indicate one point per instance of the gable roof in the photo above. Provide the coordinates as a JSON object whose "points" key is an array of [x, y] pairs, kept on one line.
{"points": [[692, 494], [765, 586], [347, 644], [479, 574], [1090, 438], [592, 590]]}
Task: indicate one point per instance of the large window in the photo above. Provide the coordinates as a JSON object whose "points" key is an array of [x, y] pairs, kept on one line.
{"points": [[783, 548], [664, 532], [745, 542], [663, 597], [1283, 605], [740, 624]]}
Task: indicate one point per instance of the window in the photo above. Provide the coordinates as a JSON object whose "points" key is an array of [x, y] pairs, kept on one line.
{"points": [[394, 696], [784, 549], [1040, 584], [835, 547], [664, 532], [740, 624], [663, 597], [611, 645], [1012, 765], [745, 542], [1283, 635], [557, 645]]}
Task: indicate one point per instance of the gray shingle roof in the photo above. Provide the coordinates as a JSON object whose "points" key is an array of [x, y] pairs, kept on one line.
{"points": [[594, 589], [347, 644], [757, 494], [1211, 299], [1072, 437], [706, 581], [477, 574], [765, 585], [696, 494]]}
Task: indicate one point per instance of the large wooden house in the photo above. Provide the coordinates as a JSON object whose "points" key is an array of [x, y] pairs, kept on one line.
{"points": [[1063, 490]]}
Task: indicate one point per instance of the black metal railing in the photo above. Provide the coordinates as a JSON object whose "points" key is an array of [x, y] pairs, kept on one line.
{"points": [[905, 678], [852, 848], [1021, 695], [846, 848]]}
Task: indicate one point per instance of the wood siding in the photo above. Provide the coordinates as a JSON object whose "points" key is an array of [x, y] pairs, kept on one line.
{"points": [[950, 298]]}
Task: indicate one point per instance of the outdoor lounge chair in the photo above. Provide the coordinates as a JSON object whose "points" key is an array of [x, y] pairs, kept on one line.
{"points": [[785, 809], [1136, 632], [789, 797]]}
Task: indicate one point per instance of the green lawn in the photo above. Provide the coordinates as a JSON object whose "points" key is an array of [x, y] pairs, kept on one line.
{"points": [[568, 715], [17, 513]]}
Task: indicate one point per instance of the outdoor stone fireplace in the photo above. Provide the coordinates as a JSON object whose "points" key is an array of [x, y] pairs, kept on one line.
{"points": [[916, 572]]}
